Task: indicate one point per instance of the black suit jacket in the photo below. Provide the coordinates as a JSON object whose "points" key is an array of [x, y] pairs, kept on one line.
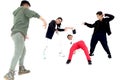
{"points": [[51, 29], [102, 26]]}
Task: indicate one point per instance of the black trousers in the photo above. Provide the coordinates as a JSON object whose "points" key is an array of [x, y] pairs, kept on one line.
{"points": [[103, 40]]}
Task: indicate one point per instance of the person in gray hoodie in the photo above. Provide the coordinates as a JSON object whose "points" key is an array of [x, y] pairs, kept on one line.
{"points": [[19, 31]]}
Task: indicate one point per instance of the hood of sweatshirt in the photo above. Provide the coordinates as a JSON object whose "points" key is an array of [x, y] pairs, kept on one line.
{"points": [[17, 10]]}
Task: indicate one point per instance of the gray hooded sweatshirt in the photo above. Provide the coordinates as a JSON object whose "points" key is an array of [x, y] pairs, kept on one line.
{"points": [[21, 20]]}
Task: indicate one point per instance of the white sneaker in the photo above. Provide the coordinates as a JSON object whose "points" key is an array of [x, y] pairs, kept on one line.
{"points": [[61, 54]]}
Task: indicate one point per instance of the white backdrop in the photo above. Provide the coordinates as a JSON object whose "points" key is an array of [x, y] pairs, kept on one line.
{"points": [[74, 13]]}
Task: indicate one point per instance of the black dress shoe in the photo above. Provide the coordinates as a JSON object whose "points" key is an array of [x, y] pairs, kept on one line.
{"points": [[68, 61], [89, 62], [91, 54], [109, 56]]}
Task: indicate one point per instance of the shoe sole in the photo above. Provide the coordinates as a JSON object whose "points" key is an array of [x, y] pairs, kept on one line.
{"points": [[23, 73], [91, 54], [7, 78]]}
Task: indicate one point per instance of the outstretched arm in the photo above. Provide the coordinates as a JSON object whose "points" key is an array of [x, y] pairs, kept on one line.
{"points": [[29, 13], [44, 21], [66, 28], [58, 29], [89, 25]]}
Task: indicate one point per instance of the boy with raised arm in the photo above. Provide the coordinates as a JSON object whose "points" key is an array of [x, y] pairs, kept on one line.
{"points": [[101, 27], [19, 30]]}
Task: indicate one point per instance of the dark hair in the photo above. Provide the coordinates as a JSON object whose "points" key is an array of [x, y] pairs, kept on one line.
{"points": [[69, 35], [99, 13], [60, 18], [24, 2]]}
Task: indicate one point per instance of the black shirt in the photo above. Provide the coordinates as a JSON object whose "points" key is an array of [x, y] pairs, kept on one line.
{"points": [[102, 26], [51, 29]]}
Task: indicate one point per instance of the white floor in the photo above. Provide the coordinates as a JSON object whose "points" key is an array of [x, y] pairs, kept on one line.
{"points": [[55, 67]]}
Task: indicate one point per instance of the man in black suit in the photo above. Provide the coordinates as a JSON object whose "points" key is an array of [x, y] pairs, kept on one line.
{"points": [[54, 26], [101, 27]]}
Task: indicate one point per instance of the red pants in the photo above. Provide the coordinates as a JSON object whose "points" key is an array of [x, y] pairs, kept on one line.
{"points": [[78, 45]]}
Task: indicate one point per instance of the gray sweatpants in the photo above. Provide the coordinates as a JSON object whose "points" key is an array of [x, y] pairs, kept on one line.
{"points": [[20, 50]]}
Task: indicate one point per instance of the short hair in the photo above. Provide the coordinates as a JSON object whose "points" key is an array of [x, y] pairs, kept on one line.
{"points": [[60, 18], [24, 2], [99, 13], [69, 35]]}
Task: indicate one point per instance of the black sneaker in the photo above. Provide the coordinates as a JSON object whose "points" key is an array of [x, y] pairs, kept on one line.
{"points": [[68, 61], [109, 56], [91, 54], [89, 62]]}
